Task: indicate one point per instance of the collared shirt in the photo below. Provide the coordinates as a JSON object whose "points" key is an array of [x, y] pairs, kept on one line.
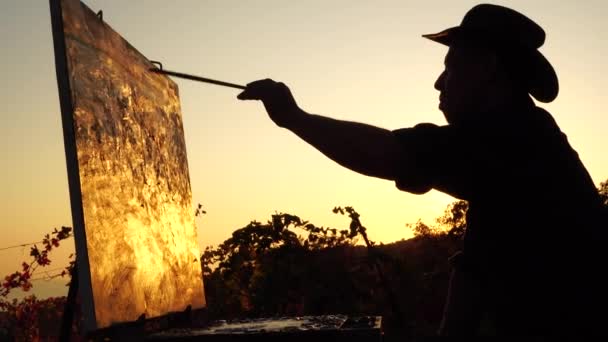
{"points": [[531, 200]]}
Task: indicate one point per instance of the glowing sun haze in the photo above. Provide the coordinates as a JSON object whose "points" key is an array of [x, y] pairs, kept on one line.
{"points": [[357, 60]]}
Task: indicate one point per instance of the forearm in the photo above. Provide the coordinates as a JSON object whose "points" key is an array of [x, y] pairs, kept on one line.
{"points": [[363, 148], [366, 149]]}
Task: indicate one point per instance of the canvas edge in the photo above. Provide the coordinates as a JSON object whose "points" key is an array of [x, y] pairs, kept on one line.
{"points": [[69, 139]]}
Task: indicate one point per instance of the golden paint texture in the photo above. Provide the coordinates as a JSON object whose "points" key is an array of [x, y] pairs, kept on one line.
{"points": [[137, 202]]}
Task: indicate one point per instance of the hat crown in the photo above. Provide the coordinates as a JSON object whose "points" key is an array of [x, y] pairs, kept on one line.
{"points": [[504, 24], [512, 32]]}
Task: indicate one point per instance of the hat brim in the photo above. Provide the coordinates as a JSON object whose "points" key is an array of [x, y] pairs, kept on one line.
{"points": [[544, 85], [445, 37]]}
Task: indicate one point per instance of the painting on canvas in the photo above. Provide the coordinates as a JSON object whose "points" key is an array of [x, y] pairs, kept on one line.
{"points": [[136, 243]]}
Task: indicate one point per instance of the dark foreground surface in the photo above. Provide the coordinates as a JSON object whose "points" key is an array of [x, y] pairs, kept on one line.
{"points": [[305, 328]]}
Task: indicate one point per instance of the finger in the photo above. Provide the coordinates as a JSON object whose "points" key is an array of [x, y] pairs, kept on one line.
{"points": [[250, 94], [256, 89], [244, 95]]}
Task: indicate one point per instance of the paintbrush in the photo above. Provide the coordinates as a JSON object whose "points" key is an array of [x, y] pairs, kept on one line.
{"points": [[160, 70]]}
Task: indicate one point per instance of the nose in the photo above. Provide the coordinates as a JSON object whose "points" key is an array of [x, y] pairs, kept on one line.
{"points": [[440, 81]]}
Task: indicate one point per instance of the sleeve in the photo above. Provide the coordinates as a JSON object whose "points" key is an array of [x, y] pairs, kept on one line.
{"points": [[431, 158]]}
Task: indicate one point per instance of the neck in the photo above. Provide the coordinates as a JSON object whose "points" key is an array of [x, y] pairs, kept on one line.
{"points": [[501, 99], [498, 107]]}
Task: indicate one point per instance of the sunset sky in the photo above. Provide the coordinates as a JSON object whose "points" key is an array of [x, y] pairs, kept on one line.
{"points": [[356, 60]]}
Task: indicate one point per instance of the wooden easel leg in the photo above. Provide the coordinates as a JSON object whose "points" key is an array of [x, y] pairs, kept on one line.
{"points": [[70, 305]]}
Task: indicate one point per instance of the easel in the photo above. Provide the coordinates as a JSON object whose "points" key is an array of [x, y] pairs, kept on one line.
{"points": [[134, 330], [67, 319]]}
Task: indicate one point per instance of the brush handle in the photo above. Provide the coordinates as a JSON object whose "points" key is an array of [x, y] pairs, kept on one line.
{"points": [[196, 78]]}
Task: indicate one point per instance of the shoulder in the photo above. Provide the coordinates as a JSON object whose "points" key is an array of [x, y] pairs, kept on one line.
{"points": [[424, 133], [421, 127]]}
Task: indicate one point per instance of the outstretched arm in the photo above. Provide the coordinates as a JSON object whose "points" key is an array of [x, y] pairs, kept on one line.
{"points": [[363, 148]]}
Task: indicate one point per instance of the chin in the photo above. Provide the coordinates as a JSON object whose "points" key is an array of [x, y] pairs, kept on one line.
{"points": [[444, 110], [451, 116], [447, 116]]}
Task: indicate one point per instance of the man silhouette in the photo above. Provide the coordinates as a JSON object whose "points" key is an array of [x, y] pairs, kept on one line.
{"points": [[531, 252]]}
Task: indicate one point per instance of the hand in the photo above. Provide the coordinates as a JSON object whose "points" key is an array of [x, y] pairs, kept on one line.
{"points": [[277, 99]]}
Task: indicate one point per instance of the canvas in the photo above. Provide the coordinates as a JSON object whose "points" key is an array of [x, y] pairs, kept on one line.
{"points": [[130, 193]]}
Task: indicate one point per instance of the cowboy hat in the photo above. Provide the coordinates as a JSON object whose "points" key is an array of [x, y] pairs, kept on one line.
{"points": [[507, 30]]}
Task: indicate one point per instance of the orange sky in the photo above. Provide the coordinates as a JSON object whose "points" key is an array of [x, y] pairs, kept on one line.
{"points": [[355, 60]]}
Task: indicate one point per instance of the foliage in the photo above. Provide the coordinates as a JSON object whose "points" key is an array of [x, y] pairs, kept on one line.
{"points": [[31, 319], [239, 273], [603, 190], [454, 219], [271, 270], [40, 258], [453, 222], [22, 318]]}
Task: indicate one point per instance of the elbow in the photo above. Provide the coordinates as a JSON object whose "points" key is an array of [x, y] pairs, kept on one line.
{"points": [[381, 164]]}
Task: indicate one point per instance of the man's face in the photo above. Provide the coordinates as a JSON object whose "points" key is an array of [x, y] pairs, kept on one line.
{"points": [[463, 83]]}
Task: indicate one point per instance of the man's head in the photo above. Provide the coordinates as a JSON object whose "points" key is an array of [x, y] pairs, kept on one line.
{"points": [[493, 58], [468, 81]]}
